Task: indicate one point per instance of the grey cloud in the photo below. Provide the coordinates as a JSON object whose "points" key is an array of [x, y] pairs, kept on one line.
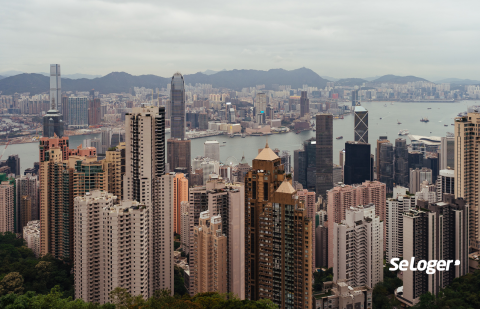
{"points": [[338, 38]]}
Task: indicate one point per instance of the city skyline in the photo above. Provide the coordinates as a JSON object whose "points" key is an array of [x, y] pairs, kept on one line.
{"points": [[391, 37]]}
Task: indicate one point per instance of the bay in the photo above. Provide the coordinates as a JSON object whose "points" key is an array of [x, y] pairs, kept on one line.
{"points": [[409, 114]]}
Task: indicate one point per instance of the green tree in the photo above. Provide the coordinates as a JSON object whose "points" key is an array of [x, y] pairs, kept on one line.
{"points": [[12, 283]]}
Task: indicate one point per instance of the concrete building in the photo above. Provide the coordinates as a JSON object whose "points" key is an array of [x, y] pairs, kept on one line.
{"points": [[324, 142], [27, 186], [13, 161], [209, 273], [387, 168], [111, 243], [445, 183], [31, 234], [185, 227], [342, 295], [304, 104], [417, 177], [212, 150], [467, 170], [78, 112], [447, 153], [177, 108], [427, 193], [400, 202], [343, 197], [278, 236], [7, 205], [208, 167], [309, 202], [94, 113], [321, 239], [260, 103], [438, 231], [145, 152], [114, 164], [358, 250], [226, 200], [180, 194]]}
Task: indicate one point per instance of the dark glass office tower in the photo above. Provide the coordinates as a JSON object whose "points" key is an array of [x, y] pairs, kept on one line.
{"points": [[304, 104], [355, 97], [401, 162], [357, 163], [177, 103], [386, 165], [53, 120], [360, 130], [306, 159], [324, 132]]}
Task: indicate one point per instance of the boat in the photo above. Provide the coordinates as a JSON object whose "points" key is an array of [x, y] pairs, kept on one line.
{"points": [[391, 103], [380, 118], [298, 132], [445, 125], [398, 122], [243, 135], [429, 108], [224, 142], [403, 132], [340, 137], [231, 135], [385, 105], [424, 120], [452, 124]]}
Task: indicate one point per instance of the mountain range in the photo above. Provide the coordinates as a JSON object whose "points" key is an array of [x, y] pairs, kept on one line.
{"points": [[117, 82], [458, 81]]}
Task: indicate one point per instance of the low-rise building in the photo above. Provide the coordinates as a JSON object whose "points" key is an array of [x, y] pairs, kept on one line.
{"points": [[342, 295]]}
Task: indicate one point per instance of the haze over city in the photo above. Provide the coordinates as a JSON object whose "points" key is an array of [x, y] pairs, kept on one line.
{"points": [[429, 39]]}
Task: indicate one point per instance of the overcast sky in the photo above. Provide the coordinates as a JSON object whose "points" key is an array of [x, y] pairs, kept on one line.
{"points": [[345, 38]]}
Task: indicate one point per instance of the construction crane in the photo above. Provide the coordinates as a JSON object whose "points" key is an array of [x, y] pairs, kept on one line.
{"points": [[6, 145]]}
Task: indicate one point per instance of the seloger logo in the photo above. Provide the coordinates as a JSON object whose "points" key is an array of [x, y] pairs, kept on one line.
{"points": [[430, 266]]}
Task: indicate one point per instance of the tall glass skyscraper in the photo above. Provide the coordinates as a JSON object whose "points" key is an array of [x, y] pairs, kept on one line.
{"points": [[177, 101], [361, 124], [55, 87], [324, 139]]}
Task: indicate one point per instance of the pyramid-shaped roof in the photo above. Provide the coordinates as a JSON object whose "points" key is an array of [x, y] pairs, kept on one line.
{"points": [[286, 187], [267, 154]]}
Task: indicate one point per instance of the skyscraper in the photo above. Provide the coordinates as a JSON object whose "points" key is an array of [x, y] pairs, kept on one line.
{"points": [[7, 205], [380, 141], [27, 186], [180, 194], [445, 183], [276, 225], [324, 139], [177, 103], [260, 103], [357, 163], [386, 165], [355, 99], [178, 155], [13, 161], [55, 87], [209, 273], [401, 162], [360, 130], [94, 113], [212, 150], [357, 249], [145, 152], [78, 112], [304, 104], [447, 153], [306, 159]]}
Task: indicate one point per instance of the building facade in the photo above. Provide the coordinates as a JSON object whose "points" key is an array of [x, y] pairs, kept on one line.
{"points": [[324, 142], [177, 107]]}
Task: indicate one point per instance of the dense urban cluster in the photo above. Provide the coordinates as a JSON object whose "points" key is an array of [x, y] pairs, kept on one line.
{"points": [[138, 221]]}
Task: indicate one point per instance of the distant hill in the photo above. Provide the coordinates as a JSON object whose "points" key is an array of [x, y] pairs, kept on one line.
{"points": [[350, 82], [332, 79], [371, 78], [458, 81], [117, 82], [210, 72], [394, 79], [2, 76]]}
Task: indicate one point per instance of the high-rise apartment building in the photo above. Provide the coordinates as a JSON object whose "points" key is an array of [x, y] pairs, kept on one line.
{"points": [[357, 247], [401, 162], [355, 99], [399, 203], [447, 153], [111, 246], [226, 200], [309, 202], [260, 103], [380, 141], [13, 161], [324, 140], [438, 231], [145, 152], [212, 150], [304, 104], [360, 130], [7, 205], [467, 169], [185, 227], [27, 186], [78, 112], [177, 104], [114, 164], [278, 236], [358, 166], [180, 194], [343, 197], [417, 177], [179, 155], [209, 273], [445, 183], [31, 234]]}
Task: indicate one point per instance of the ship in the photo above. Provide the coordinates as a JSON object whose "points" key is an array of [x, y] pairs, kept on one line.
{"points": [[398, 122], [340, 137], [403, 132], [429, 108], [243, 135], [424, 120], [445, 125]]}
